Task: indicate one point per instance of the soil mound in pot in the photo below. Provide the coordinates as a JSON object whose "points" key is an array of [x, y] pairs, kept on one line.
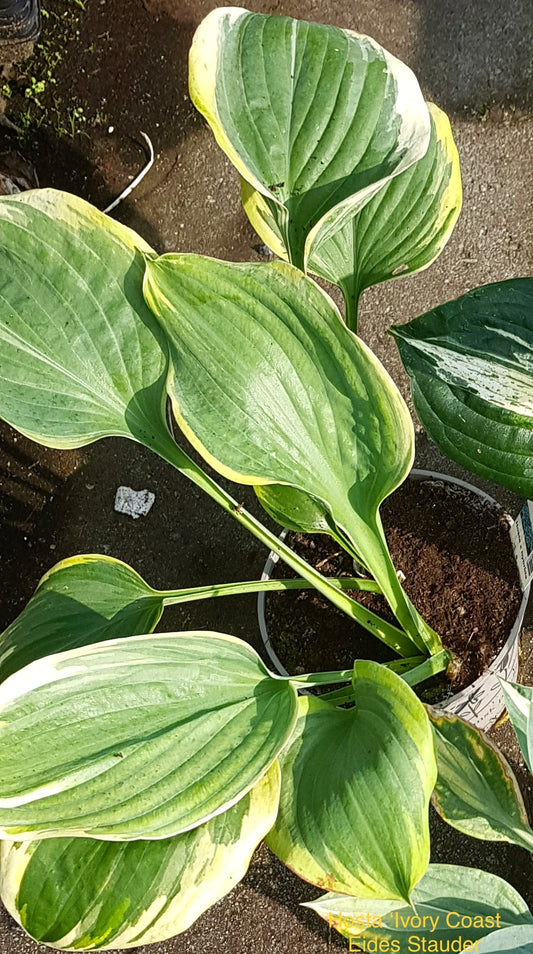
{"points": [[455, 553]]}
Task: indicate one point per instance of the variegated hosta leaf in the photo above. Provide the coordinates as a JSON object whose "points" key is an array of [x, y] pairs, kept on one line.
{"points": [[78, 893], [518, 702], [355, 790], [82, 356], [476, 789], [450, 902], [294, 509], [512, 940], [142, 737], [403, 228], [316, 118], [272, 388], [471, 367], [80, 601]]}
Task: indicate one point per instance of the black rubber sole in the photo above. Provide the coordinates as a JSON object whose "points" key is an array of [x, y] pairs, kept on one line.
{"points": [[20, 20]]}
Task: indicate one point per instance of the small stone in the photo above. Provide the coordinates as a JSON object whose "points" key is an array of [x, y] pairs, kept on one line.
{"points": [[134, 503]]}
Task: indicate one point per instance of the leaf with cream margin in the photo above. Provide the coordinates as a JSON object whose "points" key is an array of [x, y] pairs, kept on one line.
{"points": [[270, 387], [518, 702], [355, 790], [476, 790], [81, 894], [444, 895], [471, 367], [88, 598], [82, 357], [143, 737], [82, 600], [401, 230], [314, 117]]}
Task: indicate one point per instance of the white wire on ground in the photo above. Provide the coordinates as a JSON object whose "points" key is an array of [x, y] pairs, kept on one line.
{"points": [[133, 185]]}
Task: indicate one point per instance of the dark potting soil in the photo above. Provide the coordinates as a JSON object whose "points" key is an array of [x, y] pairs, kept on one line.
{"points": [[455, 552]]}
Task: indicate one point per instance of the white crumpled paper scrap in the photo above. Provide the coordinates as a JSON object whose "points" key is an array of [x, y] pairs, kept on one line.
{"points": [[134, 503]]}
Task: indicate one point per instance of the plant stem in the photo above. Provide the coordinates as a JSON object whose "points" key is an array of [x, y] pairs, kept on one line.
{"points": [[173, 597], [321, 678], [397, 640], [351, 308], [423, 637], [430, 667], [418, 670]]}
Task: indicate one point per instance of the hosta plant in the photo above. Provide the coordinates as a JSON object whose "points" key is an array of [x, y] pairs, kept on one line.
{"points": [[137, 771]]}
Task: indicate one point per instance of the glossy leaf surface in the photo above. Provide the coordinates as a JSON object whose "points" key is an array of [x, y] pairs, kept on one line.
{"points": [[82, 356], [355, 790], [80, 601], [518, 702], [314, 117], [86, 894], [445, 895], [403, 228], [476, 789], [471, 367], [271, 388], [294, 509], [142, 737], [512, 940]]}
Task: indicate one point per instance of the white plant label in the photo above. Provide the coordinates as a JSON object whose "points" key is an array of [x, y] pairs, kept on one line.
{"points": [[522, 541]]}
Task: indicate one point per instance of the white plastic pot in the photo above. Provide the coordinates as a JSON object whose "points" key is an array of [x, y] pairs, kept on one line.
{"points": [[480, 703]]}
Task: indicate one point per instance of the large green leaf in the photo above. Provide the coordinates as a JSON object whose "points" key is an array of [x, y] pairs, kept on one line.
{"points": [[471, 367], [137, 738], [89, 598], [355, 790], [316, 118], [82, 356], [511, 940], [476, 789], [423, 202], [518, 701], [457, 903], [82, 600], [403, 228], [78, 893], [272, 388]]}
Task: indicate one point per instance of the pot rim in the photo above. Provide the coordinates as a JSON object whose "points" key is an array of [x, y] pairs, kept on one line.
{"points": [[464, 695]]}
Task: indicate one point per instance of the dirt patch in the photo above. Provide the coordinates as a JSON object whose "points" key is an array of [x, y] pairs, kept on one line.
{"points": [[460, 573]]}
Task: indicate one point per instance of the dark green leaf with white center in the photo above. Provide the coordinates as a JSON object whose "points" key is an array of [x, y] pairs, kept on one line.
{"points": [[78, 893], [471, 367], [355, 790], [142, 737]]}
